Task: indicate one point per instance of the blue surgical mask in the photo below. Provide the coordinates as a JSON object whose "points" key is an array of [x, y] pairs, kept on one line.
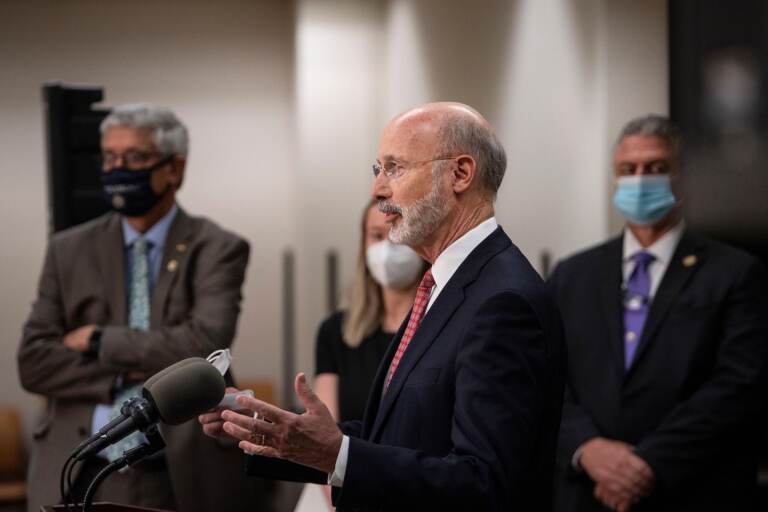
{"points": [[644, 200]]}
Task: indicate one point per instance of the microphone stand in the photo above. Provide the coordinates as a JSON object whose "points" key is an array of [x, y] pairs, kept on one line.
{"points": [[130, 457], [65, 482]]}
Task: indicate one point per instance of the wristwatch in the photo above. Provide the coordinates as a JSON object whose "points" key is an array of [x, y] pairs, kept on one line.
{"points": [[94, 344]]}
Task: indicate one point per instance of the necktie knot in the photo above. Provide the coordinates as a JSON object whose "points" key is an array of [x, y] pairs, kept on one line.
{"points": [[643, 258], [141, 246], [428, 281]]}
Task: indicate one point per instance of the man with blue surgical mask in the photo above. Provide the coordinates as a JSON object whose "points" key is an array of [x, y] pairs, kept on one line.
{"points": [[667, 337]]}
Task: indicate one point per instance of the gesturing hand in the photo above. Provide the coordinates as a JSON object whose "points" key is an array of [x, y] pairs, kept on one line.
{"points": [[621, 477], [213, 424], [312, 438]]}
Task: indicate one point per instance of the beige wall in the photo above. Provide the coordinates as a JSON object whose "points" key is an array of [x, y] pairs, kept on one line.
{"points": [[637, 57], [556, 78], [284, 104], [337, 93]]}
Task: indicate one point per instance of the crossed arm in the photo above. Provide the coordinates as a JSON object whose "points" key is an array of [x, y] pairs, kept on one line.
{"points": [[50, 355]]}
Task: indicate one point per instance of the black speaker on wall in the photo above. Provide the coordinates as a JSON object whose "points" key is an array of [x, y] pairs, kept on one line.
{"points": [[718, 56], [73, 149], [719, 97]]}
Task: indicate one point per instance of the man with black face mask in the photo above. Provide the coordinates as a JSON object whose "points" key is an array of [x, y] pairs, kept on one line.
{"points": [[120, 298], [667, 344]]}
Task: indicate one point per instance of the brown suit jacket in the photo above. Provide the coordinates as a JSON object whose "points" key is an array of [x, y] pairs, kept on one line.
{"points": [[194, 310]]}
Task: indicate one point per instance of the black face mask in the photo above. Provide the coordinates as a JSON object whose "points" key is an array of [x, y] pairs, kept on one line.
{"points": [[130, 191]]}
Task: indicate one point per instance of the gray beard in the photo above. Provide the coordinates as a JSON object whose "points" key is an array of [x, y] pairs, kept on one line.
{"points": [[421, 219]]}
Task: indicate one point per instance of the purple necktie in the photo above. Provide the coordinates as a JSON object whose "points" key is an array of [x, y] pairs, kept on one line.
{"points": [[636, 304]]}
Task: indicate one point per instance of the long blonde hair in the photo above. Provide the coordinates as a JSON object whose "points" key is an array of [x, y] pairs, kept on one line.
{"points": [[366, 307]]}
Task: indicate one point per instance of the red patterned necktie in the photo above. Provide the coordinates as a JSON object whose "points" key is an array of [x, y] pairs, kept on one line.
{"points": [[419, 307]]}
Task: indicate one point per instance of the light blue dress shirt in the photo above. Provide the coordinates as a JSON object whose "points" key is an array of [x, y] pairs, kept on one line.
{"points": [[156, 236]]}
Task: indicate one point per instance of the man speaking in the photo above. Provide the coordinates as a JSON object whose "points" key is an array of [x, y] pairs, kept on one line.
{"points": [[464, 411]]}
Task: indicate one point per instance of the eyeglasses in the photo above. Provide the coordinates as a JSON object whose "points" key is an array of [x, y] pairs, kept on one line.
{"points": [[131, 159], [393, 169]]}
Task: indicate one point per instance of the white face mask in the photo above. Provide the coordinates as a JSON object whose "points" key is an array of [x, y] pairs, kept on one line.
{"points": [[221, 359], [393, 266]]}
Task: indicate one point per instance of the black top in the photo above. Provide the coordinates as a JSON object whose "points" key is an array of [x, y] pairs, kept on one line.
{"points": [[356, 367]]}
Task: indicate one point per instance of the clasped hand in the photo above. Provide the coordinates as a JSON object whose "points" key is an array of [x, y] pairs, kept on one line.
{"points": [[621, 477], [311, 438]]}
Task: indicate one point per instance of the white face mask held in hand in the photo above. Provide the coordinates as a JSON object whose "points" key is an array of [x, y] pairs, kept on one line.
{"points": [[221, 360], [393, 266]]}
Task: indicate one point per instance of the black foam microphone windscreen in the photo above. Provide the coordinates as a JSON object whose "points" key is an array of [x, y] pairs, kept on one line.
{"points": [[159, 375], [184, 390]]}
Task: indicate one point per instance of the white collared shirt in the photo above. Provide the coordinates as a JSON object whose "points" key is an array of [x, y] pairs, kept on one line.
{"points": [[449, 261], [662, 249], [445, 265]]}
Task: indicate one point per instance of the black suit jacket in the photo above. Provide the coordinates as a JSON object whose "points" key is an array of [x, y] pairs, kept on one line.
{"points": [[691, 399], [470, 419]]}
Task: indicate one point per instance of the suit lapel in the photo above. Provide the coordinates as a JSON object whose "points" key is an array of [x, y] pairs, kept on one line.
{"points": [[450, 298], [438, 315], [174, 259], [612, 300], [111, 254], [686, 259], [375, 396]]}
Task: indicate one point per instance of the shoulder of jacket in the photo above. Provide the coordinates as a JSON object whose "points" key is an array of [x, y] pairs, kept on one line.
{"points": [[206, 228], [86, 230]]}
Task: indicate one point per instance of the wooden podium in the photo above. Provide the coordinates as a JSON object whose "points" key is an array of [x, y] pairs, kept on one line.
{"points": [[100, 506]]}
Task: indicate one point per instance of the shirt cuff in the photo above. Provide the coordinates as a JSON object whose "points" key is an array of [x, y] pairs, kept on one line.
{"points": [[336, 478], [575, 464]]}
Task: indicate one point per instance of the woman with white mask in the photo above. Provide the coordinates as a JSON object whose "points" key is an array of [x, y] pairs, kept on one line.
{"points": [[351, 343]]}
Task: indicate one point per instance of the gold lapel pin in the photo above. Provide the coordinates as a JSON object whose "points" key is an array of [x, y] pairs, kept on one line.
{"points": [[172, 266], [689, 260], [181, 247]]}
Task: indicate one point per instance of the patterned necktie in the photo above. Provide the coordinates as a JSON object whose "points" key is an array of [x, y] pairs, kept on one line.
{"points": [[138, 318], [417, 314], [636, 304]]}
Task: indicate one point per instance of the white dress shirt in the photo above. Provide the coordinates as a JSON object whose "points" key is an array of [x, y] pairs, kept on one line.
{"points": [[443, 268]]}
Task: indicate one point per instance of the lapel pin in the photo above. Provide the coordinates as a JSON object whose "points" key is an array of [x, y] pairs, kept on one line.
{"points": [[689, 260], [172, 265], [181, 247]]}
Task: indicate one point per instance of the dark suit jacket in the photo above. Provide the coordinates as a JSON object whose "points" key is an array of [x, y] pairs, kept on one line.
{"points": [[690, 400], [470, 419], [194, 310]]}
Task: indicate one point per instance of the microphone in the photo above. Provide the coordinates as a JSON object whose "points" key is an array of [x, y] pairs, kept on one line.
{"points": [[125, 411], [173, 396]]}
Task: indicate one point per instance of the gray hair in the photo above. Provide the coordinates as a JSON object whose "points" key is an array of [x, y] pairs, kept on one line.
{"points": [[460, 134], [169, 133], [653, 125]]}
